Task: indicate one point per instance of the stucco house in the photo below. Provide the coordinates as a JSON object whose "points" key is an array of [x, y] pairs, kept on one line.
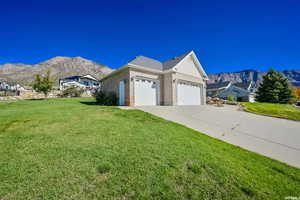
{"points": [[242, 91], [146, 81], [84, 82]]}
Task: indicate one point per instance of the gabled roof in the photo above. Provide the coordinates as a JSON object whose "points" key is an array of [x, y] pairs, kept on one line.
{"points": [[233, 90], [156, 66], [147, 62], [169, 64], [244, 85], [72, 77], [88, 76], [218, 85]]}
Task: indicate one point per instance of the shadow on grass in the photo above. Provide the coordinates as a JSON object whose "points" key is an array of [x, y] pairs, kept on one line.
{"points": [[89, 103], [39, 99]]}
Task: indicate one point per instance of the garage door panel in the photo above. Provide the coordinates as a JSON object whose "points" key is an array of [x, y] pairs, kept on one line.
{"points": [[145, 92], [188, 94]]}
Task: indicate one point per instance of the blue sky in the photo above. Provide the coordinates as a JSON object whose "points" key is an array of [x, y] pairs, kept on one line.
{"points": [[226, 35]]}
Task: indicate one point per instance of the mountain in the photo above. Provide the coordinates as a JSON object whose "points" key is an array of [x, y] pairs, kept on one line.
{"points": [[59, 66], [252, 75]]}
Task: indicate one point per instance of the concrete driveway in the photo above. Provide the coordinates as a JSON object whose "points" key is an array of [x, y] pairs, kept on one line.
{"points": [[272, 137]]}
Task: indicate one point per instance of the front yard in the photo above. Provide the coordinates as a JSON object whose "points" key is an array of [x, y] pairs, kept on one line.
{"points": [[274, 110], [73, 149]]}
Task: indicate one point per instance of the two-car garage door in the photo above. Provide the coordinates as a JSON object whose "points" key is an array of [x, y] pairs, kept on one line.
{"points": [[188, 94], [146, 92]]}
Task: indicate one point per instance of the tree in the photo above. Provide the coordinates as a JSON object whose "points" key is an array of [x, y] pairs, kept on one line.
{"points": [[43, 84], [296, 91], [274, 89]]}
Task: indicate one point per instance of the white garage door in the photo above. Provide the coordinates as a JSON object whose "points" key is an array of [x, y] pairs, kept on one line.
{"points": [[145, 92], [188, 94]]}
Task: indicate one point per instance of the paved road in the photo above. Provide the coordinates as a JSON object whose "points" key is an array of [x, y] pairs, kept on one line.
{"points": [[272, 137]]}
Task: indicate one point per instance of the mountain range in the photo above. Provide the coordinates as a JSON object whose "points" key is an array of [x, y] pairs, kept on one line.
{"points": [[59, 67], [252, 75]]}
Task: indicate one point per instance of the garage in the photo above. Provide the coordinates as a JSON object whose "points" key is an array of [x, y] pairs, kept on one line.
{"points": [[188, 94], [146, 92]]}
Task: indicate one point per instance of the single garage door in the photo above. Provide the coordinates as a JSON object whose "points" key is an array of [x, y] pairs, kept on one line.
{"points": [[188, 94], [146, 92]]}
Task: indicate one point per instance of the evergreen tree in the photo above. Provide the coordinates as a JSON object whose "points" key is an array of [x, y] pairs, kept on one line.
{"points": [[274, 89]]}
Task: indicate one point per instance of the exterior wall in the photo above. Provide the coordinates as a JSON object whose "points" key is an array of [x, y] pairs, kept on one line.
{"points": [[111, 84], [168, 89], [168, 84], [188, 67]]}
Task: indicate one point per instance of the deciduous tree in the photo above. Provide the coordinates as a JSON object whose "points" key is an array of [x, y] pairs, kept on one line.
{"points": [[43, 84]]}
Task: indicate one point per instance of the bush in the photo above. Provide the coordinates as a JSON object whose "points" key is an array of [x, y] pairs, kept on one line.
{"points": [[106, 98], [72, 92], [231, 98]]}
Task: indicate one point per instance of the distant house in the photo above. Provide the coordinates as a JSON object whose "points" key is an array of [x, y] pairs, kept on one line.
{"points": [[8, 88], [84, 82], [213, 89], [242, 91]]}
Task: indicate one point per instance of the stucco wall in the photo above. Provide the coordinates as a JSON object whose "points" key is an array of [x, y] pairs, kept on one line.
{"points": [[168, 84], [111, 84], [168, 89], [188, 66]]}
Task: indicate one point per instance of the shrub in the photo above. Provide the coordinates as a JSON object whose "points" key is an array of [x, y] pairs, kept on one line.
{"points": [[296, 92], [72, 92], [231, 98], [106, 98]]}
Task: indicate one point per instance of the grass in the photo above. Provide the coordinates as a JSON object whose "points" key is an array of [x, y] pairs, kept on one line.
{"points": [[274, 110], [73, 149]]}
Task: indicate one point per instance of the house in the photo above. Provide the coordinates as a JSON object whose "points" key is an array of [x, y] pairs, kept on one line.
{"points": [[146, 81], [213, 89], [6, 86], [84, 82], [242, 91], [10, 89]]}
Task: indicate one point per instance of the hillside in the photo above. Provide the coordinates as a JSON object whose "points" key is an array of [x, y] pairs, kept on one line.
{"points": [[252, 75], [59, 66]]}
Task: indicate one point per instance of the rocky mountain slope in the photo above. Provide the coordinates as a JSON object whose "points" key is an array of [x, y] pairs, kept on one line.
{"points": [[252, 75], [59, 66]]}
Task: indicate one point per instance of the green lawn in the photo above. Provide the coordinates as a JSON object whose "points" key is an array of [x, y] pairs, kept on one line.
{"points": [[72, 149], [274, 110]]}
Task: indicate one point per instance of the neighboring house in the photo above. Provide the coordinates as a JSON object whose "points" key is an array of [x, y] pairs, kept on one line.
{"points": [[214, 88], [242, 91], [146, 81], [11, 89], [84, 82], [6, 86]]}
